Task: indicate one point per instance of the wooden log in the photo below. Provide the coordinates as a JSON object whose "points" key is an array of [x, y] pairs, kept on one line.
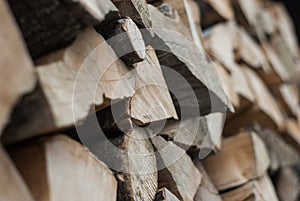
{"points": [[16, 73], [287, 184], [12, 185], [242, 158], [183, 186], [71, 83], [291, 134], [133, 48], [58, 168], [132, 158], [281, 153], [213, 11], [44, 34], [135, 9], [258, 190], [165, 195], [206, 190], [187, 59]]}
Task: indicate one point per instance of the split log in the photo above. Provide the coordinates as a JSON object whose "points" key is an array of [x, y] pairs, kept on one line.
{"points": [[292, 133], [58, 168], [44, 34], [206, 190], [132, 158], [133, 48], [72, 82], [137, 10], [242, 158], [165, 195], [213, 12], [184, 186], [186, 60], [12, 185], [259, 190], [16, 73], [281, 153], [287, 184]]}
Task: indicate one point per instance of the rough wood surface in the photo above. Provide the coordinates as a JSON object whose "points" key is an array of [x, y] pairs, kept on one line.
{"points": [[44, 34], [58, 168], [207, 190], [165, 195], [257, 190], [12, 185], [242, 158], [187, 59], [16, 73], [132, 157], [171, 169]]}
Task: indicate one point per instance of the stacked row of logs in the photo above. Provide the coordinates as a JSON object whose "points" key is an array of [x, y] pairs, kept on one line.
{"points": [[69, 67]]}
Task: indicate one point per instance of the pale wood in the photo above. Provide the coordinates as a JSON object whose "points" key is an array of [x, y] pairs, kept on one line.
{"points": [[137, 10], [257, 190], [213, 11], [281, 153], [132, 157], [44, 34], [12, 185], [187, 59], [292, 132], [165, 195], [16, 73], [58, 168], [206, 190], [242, 158], [128, 34], [287, 184], [171, 169]]}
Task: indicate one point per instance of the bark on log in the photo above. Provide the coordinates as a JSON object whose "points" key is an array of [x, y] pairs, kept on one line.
{"points": [[242, 158], [58, 168], [48, 25], [16, 73]]}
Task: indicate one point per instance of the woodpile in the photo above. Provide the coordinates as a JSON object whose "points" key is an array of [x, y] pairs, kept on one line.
{"points": [[149, 100]]}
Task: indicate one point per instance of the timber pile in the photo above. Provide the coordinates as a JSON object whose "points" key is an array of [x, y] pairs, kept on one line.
{"points": [[157, 100]]}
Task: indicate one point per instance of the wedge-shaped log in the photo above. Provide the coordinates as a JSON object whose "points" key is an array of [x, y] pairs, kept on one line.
{"points": [[213, 11], [132, 158], [183, 186], [48, 24], [58, 168], [16, 73], [206, 190], [12, 185], [289, 98], [188, 74], [258, 190], [165, 195], [242, 158], [281, 153], [71, 82]]}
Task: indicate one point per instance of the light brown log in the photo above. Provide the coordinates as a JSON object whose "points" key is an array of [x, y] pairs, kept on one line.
{"points": [[16, 73], [242, 158], [132, 158], [281, 153], [206, 190], [12, 185], [292, 133], [58, 168], [137, 10], [133, 48], [287, 184], [44, 34], [186, 58], [71, 82], [165, 195], [257, 190], [171, 169], [213, 11]]}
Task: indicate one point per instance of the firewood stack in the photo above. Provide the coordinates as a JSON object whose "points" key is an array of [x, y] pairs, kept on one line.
{"points": [[157, 100]]}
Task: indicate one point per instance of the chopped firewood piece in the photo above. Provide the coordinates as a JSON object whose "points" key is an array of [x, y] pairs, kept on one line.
{"points": [[165, 195]]}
